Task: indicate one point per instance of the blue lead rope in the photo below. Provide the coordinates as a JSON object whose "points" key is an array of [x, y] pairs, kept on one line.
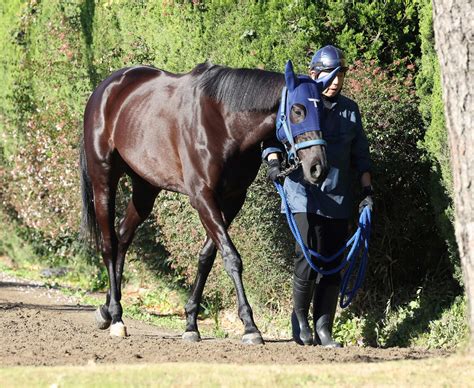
{"points": [[359, 250]]}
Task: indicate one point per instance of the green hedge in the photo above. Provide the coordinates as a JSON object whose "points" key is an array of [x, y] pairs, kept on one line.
{"points": [[57, 52]]}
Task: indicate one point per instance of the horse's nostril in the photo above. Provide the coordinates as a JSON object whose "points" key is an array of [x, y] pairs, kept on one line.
{"points": [[316, 171]]}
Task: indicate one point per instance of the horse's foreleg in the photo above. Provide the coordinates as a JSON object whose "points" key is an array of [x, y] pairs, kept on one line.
{"points": [[213, 221], [233, 266], [206, 260]]}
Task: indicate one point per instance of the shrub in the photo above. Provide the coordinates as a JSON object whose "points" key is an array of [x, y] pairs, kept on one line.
{"points": [[57, 52]]}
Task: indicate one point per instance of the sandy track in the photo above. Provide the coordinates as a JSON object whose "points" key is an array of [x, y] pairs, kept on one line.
{"points": [[40, 326]]}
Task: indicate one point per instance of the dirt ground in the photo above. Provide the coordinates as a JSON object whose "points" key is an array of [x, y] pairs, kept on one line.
{"points": [[40, 326]]}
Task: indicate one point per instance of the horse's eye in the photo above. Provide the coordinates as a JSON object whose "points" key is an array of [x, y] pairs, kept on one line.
{"points": [[298, 113]]}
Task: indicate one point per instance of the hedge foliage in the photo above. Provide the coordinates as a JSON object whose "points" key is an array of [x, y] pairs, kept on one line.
{"points": [[55, 53]]}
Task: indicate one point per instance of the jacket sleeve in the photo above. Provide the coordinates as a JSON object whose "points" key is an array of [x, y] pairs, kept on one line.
{"points": [[360, 155]]}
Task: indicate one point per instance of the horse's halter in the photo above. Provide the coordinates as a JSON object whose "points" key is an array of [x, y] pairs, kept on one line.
{"points": [[307, 92]]}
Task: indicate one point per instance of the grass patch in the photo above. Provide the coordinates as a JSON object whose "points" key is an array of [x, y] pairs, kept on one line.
{"points": [[457, 370]]}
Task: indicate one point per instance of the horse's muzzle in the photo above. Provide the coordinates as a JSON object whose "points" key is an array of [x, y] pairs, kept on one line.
{"points": [[314, 162]]}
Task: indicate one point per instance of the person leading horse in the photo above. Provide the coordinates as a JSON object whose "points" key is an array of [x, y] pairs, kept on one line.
{"points": [[322, 210]]}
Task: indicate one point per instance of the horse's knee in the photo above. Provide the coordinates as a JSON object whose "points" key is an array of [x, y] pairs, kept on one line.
{"points": [[191, 307], [207, 250], [205, 262], [207, 256], [233, 264], [109, 246]]}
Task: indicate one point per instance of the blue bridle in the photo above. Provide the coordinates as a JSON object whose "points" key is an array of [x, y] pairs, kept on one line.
{"points": [[303, 90], [283, 120]]}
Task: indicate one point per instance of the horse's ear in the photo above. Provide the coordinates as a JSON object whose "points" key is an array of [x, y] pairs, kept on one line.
{"points": [[326, 81], [290, 77]]}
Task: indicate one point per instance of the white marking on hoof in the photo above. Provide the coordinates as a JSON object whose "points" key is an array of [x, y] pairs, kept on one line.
{"points": [[118, 330], [191, 336], [100, 321], [252, 339]]}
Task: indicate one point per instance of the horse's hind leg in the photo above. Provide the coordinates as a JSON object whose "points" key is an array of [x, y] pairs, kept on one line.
{"points": [[104, 183], [138, 209]]}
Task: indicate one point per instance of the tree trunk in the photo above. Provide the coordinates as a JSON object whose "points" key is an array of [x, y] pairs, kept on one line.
{"points": [[454, 41]]}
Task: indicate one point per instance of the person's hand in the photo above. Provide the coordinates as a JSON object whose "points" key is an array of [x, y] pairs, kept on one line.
{"points": [[367, 201], [367, 195], [273, 169]]}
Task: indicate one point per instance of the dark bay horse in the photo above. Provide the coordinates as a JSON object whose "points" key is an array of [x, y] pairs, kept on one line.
{"points": [[198, 134]]}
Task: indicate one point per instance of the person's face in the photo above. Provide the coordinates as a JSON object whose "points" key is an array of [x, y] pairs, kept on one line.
{"points": [[336, 85]]}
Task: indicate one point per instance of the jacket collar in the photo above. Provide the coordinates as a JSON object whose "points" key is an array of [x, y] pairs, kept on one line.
{"points": [[330, 103]]}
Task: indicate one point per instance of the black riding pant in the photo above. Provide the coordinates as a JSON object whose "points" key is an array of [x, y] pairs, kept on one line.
{"points": [[325, 236]]}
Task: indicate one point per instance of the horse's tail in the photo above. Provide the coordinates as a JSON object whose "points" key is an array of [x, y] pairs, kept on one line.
{"points": [[90, 233]]}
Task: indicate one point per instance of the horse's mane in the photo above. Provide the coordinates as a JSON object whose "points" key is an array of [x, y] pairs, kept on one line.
{"points": [[241, 89]]}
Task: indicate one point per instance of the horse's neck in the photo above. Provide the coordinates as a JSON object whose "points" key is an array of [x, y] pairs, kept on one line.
{"points": [[256, 127]]}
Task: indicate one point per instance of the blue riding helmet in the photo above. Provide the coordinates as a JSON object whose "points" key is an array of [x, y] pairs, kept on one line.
{"points": [[328, 58]]}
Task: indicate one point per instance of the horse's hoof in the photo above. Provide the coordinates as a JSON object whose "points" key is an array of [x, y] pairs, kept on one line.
{"points": [[118, 330], [252, 339], [191, 336], [101, 321]]}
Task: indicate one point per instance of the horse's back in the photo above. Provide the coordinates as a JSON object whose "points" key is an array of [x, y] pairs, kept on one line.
{"points": [[111, 87], [177, 131]]}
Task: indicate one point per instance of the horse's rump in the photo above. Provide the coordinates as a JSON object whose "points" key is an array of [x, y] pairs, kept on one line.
{"points": [[130, 113]]}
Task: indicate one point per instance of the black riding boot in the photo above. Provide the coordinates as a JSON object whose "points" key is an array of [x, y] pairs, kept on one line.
{"points": [[302, 292], [324, 309]]}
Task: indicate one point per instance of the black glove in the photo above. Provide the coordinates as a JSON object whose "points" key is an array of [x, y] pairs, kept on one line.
{"points": [[367, 194], [273, 169]]}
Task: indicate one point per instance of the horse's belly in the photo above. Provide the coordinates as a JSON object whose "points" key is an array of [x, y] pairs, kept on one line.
{"points": [[153, 160]]}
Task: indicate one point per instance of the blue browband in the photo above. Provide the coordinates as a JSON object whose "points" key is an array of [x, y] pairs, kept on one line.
{"points": [[283, 121]]}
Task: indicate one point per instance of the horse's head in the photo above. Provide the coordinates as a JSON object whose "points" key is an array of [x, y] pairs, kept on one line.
{"points": [[300, 124]]}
